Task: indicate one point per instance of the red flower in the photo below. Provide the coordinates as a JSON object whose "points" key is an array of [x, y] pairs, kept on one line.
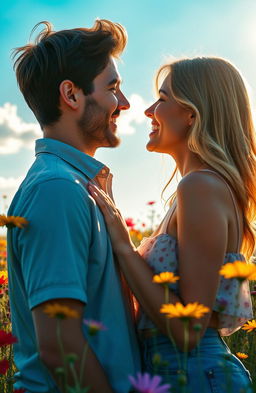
{"points": [[150, 203], [4, 365], [129, 222], [19, 390], [6, 338], [3, 280]]}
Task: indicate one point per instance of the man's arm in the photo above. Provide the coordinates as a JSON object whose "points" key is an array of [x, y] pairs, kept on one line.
{"points": [[73, 342]]}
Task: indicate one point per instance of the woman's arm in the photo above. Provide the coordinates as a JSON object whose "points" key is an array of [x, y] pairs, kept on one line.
{"points": [[202, 238]]}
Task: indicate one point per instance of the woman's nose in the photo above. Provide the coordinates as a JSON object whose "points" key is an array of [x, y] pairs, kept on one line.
{"points": [[149, 112]]}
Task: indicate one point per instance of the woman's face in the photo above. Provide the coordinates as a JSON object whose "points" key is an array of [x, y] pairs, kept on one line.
{"points": [[170, 122]]}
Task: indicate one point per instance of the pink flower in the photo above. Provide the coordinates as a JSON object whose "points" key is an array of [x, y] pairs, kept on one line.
{"points": [[147, 384], [150, 203], [129, 222], [94, 326]]}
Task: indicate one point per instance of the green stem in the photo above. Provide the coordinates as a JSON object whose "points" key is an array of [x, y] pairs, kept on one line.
{"points": [[62, 352], [166, 292], [186, 342], [83, 362], [74, 374]]}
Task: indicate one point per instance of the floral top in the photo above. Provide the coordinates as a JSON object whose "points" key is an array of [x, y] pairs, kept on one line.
{"points": [[233, 300]]}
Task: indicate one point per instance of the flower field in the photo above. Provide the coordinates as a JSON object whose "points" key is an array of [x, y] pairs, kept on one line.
{"points": [[242, 342]]}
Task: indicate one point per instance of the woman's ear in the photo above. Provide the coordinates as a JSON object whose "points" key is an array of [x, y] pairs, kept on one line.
{"points": [[70, 94], [191, 118]]}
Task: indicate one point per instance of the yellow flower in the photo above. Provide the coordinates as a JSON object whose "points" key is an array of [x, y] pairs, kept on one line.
{"points": [[191, 310], [57, 310], [12, 221], [249, 326], [241, 355], [240, 270], [3, 277], [165, 278]]}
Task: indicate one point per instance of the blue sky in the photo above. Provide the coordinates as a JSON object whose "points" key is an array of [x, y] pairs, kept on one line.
{"points": [[156, 29]]}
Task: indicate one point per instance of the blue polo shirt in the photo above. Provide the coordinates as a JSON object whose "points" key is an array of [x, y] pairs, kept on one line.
{"points": [[65, 252]]}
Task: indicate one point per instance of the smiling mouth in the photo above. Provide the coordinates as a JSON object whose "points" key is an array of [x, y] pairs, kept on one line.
{"points": [[155, 128]]}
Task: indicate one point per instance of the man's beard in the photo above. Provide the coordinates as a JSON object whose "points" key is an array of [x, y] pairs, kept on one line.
{"points": [[95, 127]]}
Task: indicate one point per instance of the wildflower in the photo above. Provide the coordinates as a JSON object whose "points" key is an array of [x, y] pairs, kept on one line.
{"points": [[240, 270], [3, 277], [6, 338], [147, 384], [12, 221], [250, 326], [19, 391], [165, 277], [94, 326], [191, 310], [151, 203], [59, 311], [241, 355], [129, 222], [4, 365]]}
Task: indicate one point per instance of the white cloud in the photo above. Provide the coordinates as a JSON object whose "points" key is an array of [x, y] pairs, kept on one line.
{"points": [[9, 183], [135, 115], [14, 132]]}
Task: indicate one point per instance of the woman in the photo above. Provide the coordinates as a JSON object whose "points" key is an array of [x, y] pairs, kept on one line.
{"points": [[203, 120]]}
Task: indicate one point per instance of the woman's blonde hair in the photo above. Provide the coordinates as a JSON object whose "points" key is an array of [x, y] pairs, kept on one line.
{"points": [[223, 133]]}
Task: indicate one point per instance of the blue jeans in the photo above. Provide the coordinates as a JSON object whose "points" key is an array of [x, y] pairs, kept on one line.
{"points": [[211, 368]]}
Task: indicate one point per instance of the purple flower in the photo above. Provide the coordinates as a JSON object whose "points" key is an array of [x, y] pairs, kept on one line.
{"points": [[94, 326], [147, 384]]}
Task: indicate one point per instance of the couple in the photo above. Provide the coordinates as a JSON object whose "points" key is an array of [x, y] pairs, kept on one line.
{"points": [[202, 118]]}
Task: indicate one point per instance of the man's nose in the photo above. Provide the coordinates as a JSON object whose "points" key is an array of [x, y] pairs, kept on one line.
{"points": [[123, 103]]}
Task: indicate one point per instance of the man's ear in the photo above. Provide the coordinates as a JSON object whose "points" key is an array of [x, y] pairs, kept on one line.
{"points": [[70, 94]]}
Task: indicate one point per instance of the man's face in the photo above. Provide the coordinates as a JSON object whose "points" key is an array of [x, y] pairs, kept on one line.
{"points": [[102, 107]]}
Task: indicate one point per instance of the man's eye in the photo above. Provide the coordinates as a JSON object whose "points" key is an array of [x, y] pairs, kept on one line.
{"points": [[113, 89], [160, 99]]}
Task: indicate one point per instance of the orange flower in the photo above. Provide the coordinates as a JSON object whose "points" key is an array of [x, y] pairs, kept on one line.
{"points": [[59, 311], [12, 221], [165, 278], [249, 326], [240, 270], [241, 355], [191, 310]]}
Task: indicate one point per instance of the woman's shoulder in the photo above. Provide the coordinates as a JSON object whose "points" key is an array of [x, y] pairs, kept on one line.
{"points": [[203, 182]]}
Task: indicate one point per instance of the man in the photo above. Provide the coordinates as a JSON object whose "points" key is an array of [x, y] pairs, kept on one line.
{"points": [[70, 81]]}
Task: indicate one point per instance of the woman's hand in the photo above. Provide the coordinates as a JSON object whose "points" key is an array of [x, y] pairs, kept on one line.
{"points": [[115, 223]]}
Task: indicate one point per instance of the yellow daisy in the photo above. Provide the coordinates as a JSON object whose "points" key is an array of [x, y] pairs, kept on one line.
{"points": [[57, 310], [12, 221], [191, 310], [250, 326], [165, 278], [241, 355], [240, 270]]}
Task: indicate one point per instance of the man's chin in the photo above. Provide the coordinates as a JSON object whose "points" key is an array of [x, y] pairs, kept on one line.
{"points": [[111, 139]]}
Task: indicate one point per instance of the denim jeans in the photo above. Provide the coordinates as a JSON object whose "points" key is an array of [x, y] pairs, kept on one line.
{"points": [[211, 368]]}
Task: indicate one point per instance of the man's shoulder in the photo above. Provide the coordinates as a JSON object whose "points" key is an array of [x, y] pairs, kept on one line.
{"points": [[54, 177]]}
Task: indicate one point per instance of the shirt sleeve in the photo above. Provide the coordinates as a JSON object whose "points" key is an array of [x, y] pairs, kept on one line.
{"points": [[54, 247]]}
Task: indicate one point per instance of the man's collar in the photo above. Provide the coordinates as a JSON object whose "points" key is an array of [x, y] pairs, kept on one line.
{"points": [[81, 161]]}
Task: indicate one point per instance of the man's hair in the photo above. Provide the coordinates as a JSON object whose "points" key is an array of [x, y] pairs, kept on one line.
{"points": [[78, 55]]}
